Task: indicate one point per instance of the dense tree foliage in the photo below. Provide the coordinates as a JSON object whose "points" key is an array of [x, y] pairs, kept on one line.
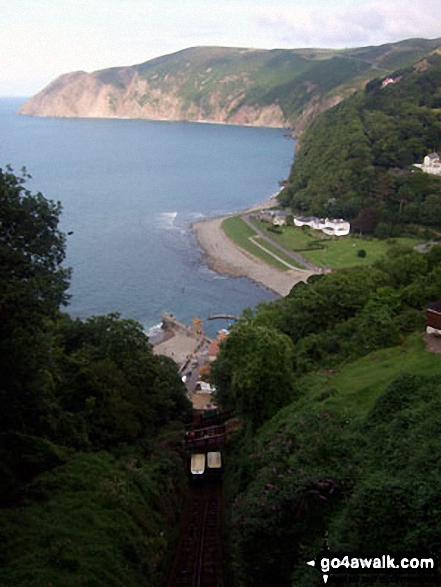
{"points": [[253, 375], [323, 464], [96, 520], [371, 483], [355, 161], [33, 284], [86, 499]]}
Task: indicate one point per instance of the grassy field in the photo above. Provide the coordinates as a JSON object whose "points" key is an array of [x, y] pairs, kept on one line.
{"points": [[240, 233], [358, 384], [339, 252], [277, 252]]}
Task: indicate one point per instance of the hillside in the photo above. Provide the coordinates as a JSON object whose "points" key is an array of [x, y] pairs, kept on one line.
{"points": [[339, 399], [234, 85], [356, 160]]}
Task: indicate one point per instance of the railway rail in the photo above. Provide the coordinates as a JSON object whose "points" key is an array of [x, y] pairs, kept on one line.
{"points": [[198, 561]]}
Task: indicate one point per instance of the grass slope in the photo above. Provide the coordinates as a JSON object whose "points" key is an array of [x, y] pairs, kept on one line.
{"points": [[358, 384]]}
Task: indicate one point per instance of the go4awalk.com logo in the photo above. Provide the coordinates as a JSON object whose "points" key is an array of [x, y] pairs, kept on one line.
{"points": [[388, 566]]}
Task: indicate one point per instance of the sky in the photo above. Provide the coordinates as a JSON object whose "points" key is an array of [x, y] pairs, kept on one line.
{"points": [[42, 39]]}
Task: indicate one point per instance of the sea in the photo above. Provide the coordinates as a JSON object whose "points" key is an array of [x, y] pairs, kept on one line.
{"points": [[130, 191]]}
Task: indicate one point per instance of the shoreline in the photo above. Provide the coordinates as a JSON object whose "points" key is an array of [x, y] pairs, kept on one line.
{"points": [[225, 257]]}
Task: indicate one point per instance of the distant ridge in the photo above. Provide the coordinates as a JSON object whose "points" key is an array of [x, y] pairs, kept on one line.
{"points": [[278, 88]]}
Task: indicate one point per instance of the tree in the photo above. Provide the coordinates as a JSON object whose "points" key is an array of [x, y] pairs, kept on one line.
{"points": [[366, 221], [33, 285], [113, 384], [253, 373]]}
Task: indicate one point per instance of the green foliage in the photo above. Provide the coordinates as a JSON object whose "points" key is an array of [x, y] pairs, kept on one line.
{"points": [[94, 521], [317, 467], [119, 390], [355, 453], [254, 373], [32, 286], [401, 488], [357, 157]]}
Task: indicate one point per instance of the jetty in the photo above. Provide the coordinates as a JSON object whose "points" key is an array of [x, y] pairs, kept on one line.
{"points": [[224, 317], [182, 342]]}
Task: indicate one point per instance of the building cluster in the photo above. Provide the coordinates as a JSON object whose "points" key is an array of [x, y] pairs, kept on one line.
{"points": [[332, 227]]}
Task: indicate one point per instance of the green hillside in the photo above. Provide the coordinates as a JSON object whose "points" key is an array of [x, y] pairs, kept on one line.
{"points": [[280, 87], [340, 403], [258, 77], [356, 160]]}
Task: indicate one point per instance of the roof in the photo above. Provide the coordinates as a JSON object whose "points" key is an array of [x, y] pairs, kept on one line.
{"points": [[214, 460], [197, 464], [213, 349], [435, 306]]}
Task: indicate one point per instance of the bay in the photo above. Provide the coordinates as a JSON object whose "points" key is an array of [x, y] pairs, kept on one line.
{"points": [[130, 190]]}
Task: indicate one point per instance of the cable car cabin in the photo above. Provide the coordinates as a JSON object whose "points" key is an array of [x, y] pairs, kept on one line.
{"points": [[214, 466], [197, 466]]}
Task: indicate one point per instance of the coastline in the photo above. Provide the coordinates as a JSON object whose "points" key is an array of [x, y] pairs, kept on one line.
{"points": [[224, 256]]}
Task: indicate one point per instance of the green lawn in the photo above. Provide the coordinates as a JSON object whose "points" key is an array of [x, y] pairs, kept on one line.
{"points": [[277, 252], [359, 383], [240, 233], [339, 252]]}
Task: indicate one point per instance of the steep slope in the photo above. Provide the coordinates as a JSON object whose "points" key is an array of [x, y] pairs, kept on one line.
{"points": [[216, 84], [356, 160]]}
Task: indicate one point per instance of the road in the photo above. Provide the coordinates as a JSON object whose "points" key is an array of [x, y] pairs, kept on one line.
{"points": [[294, 256]]}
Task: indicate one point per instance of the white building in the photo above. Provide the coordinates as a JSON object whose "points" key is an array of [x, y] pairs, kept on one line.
{"points": [[431, 164], [336, 227]]}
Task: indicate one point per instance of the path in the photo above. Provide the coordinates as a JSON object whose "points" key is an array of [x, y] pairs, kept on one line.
{"points": [[294, 256]]}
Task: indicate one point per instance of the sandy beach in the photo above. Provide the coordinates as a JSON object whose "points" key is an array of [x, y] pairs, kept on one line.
{"points": [[224, 256]]}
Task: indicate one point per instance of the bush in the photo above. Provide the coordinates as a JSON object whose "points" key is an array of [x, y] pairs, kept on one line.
{"points": [[361, 253], [275, 229]]}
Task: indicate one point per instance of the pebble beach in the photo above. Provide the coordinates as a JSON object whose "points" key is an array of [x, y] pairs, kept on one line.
{"points": [[224, 256]]}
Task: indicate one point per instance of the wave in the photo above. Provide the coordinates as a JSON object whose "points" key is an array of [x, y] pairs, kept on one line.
{"points": [[155, 333], [167, 220]]}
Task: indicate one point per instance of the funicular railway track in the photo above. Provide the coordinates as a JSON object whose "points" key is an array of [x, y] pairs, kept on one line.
{"points": [[198, 560]]}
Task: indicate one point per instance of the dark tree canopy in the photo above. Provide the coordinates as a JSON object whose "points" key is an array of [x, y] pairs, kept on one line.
{"points": [[33, 285], [357, 159]]}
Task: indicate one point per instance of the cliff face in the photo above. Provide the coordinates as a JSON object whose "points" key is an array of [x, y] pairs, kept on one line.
{"points": [[84, 95], [276, 88]]}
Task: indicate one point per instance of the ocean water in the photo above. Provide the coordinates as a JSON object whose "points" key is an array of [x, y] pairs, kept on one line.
{"points": [[130, 190]]}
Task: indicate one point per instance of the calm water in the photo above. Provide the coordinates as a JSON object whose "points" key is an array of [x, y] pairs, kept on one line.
{"points": [[129, 191]]}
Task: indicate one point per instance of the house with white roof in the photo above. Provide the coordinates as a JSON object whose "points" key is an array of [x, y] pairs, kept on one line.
{"points": [[431, 164], [335, 227]]}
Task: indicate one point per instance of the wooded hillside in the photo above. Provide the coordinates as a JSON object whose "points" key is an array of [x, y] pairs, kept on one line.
{"points": [[341, 414], [356, 160]]}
